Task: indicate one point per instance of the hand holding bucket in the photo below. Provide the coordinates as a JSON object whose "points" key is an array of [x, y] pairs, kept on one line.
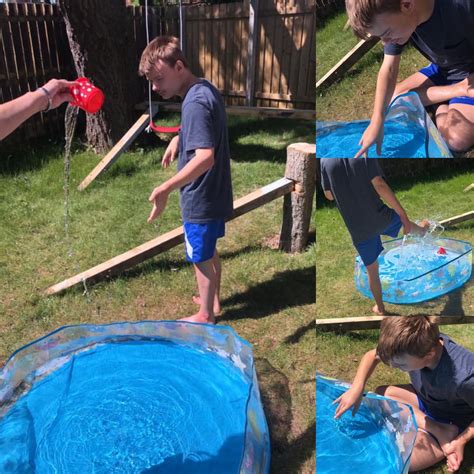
{"points": [[87, 96]]}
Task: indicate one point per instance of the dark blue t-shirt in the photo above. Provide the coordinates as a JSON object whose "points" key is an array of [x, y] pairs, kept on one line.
{"points": [[204, 125], [446, 38], [350, 182], [447, 391]]}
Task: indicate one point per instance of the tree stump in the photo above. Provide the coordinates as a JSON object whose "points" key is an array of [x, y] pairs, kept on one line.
{"points": [[298, 205]]}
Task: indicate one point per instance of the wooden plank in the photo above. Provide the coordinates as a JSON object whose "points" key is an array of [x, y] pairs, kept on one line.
{"points": [[303, 114], [170, 239], [373, 322], [252, 52], [117, 150], [471, 186], [347, 62], [456, 219]]}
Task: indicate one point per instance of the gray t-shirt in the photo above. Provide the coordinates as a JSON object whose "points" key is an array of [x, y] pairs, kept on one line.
{"points": [[446, 38], [350, 182], [204, 125], [447, 391]]}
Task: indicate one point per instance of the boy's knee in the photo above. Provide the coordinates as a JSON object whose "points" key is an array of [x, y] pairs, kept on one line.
{"points": [[456, 141]]}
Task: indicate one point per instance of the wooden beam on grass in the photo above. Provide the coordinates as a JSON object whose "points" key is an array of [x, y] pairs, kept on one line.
{"points": [[457, 219], [169, 240], [373, 322], [471, 186], [120, 147], [354, 55], [271, 112]]}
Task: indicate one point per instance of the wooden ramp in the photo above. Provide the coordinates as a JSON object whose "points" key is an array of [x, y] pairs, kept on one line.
{"points": [[457, 219], [346, 62], [170, 239], [120, 147], [373, 322]]}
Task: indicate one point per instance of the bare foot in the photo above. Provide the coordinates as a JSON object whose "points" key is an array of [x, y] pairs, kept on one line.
{"points": [[199, 318], [425, 225], [217, 306], [378, 311], [445, 436]]}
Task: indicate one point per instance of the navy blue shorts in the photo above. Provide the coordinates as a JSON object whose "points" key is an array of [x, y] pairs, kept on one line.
{"points": [[370, 249], [422, 408], [433, 73], [201, 239]]}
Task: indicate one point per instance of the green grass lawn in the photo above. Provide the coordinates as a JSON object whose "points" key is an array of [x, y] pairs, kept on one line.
{"points": [[436, 197], [352, 97], [268, 296]]}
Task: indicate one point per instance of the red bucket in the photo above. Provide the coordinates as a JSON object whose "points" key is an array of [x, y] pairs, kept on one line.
{"points": [[87, 96]]}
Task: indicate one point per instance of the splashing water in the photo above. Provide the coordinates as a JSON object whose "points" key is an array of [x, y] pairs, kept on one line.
{"points": [[70, 122]]}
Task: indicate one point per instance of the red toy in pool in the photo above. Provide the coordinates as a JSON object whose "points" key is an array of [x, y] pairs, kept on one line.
{"points": [[441, 251]]}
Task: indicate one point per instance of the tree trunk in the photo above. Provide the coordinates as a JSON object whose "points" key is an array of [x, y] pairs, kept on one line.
{"points": [[297, 206], [102, 43]]}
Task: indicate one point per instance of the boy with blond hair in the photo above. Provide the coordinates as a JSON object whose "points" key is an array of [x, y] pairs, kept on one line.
{"points": [[203, 174], [443, 32], [441, 391]]}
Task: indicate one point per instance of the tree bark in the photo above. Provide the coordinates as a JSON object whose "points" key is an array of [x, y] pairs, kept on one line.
{"points": [[101, 39], [297, 206]]}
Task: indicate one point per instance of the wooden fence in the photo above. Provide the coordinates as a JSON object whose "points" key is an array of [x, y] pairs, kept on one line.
{"points": [[34, 48]]}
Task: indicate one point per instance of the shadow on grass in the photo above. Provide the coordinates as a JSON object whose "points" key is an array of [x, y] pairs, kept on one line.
{"points": [[287, 455], [301, 332], [290, 288]]}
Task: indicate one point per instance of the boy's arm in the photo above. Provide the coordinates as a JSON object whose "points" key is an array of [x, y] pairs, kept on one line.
{"points": [[353, 397], [202, 161], [384, 191], [386, 82]]}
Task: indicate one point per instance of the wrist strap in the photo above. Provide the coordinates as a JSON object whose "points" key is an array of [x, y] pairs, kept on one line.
{"points": [[50, 100]]}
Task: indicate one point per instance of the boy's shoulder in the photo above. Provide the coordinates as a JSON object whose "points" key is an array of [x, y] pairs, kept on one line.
{"points": [[203, 92]]}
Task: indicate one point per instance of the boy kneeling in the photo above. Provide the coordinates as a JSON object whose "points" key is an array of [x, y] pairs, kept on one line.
{"points": [[441, 391]]}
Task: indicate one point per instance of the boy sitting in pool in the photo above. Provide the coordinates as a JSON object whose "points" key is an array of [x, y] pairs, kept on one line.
{"points": [[357, 187], [441, 391], [203, 174], [443, 32]]}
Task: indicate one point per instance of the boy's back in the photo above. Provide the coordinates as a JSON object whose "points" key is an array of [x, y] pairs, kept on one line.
{"points": [[447, 391], [204, 125], [350, 182]]}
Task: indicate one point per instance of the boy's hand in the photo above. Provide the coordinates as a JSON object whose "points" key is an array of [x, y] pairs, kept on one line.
{"points": [[159, 198], [171, 152], [373, 134], [59, 91], [454, 451], [406, 224], [352, 398]]}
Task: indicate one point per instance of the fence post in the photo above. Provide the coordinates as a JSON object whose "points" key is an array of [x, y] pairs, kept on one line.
{"points": [[252, 53], [298, 205]]}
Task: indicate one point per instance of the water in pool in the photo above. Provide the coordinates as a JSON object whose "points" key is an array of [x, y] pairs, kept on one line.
{"points": [[400, 141], [352, 444], [130, 407], [410, 260]]}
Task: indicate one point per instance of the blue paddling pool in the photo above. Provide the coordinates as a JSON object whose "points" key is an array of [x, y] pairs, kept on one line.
{"points": [[412, 271], [379, 439], [146, 397]]}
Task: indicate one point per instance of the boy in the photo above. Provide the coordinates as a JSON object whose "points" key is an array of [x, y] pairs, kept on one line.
{"points": [[441, 391], [357, 186], [443, 31], [203, 166]]}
